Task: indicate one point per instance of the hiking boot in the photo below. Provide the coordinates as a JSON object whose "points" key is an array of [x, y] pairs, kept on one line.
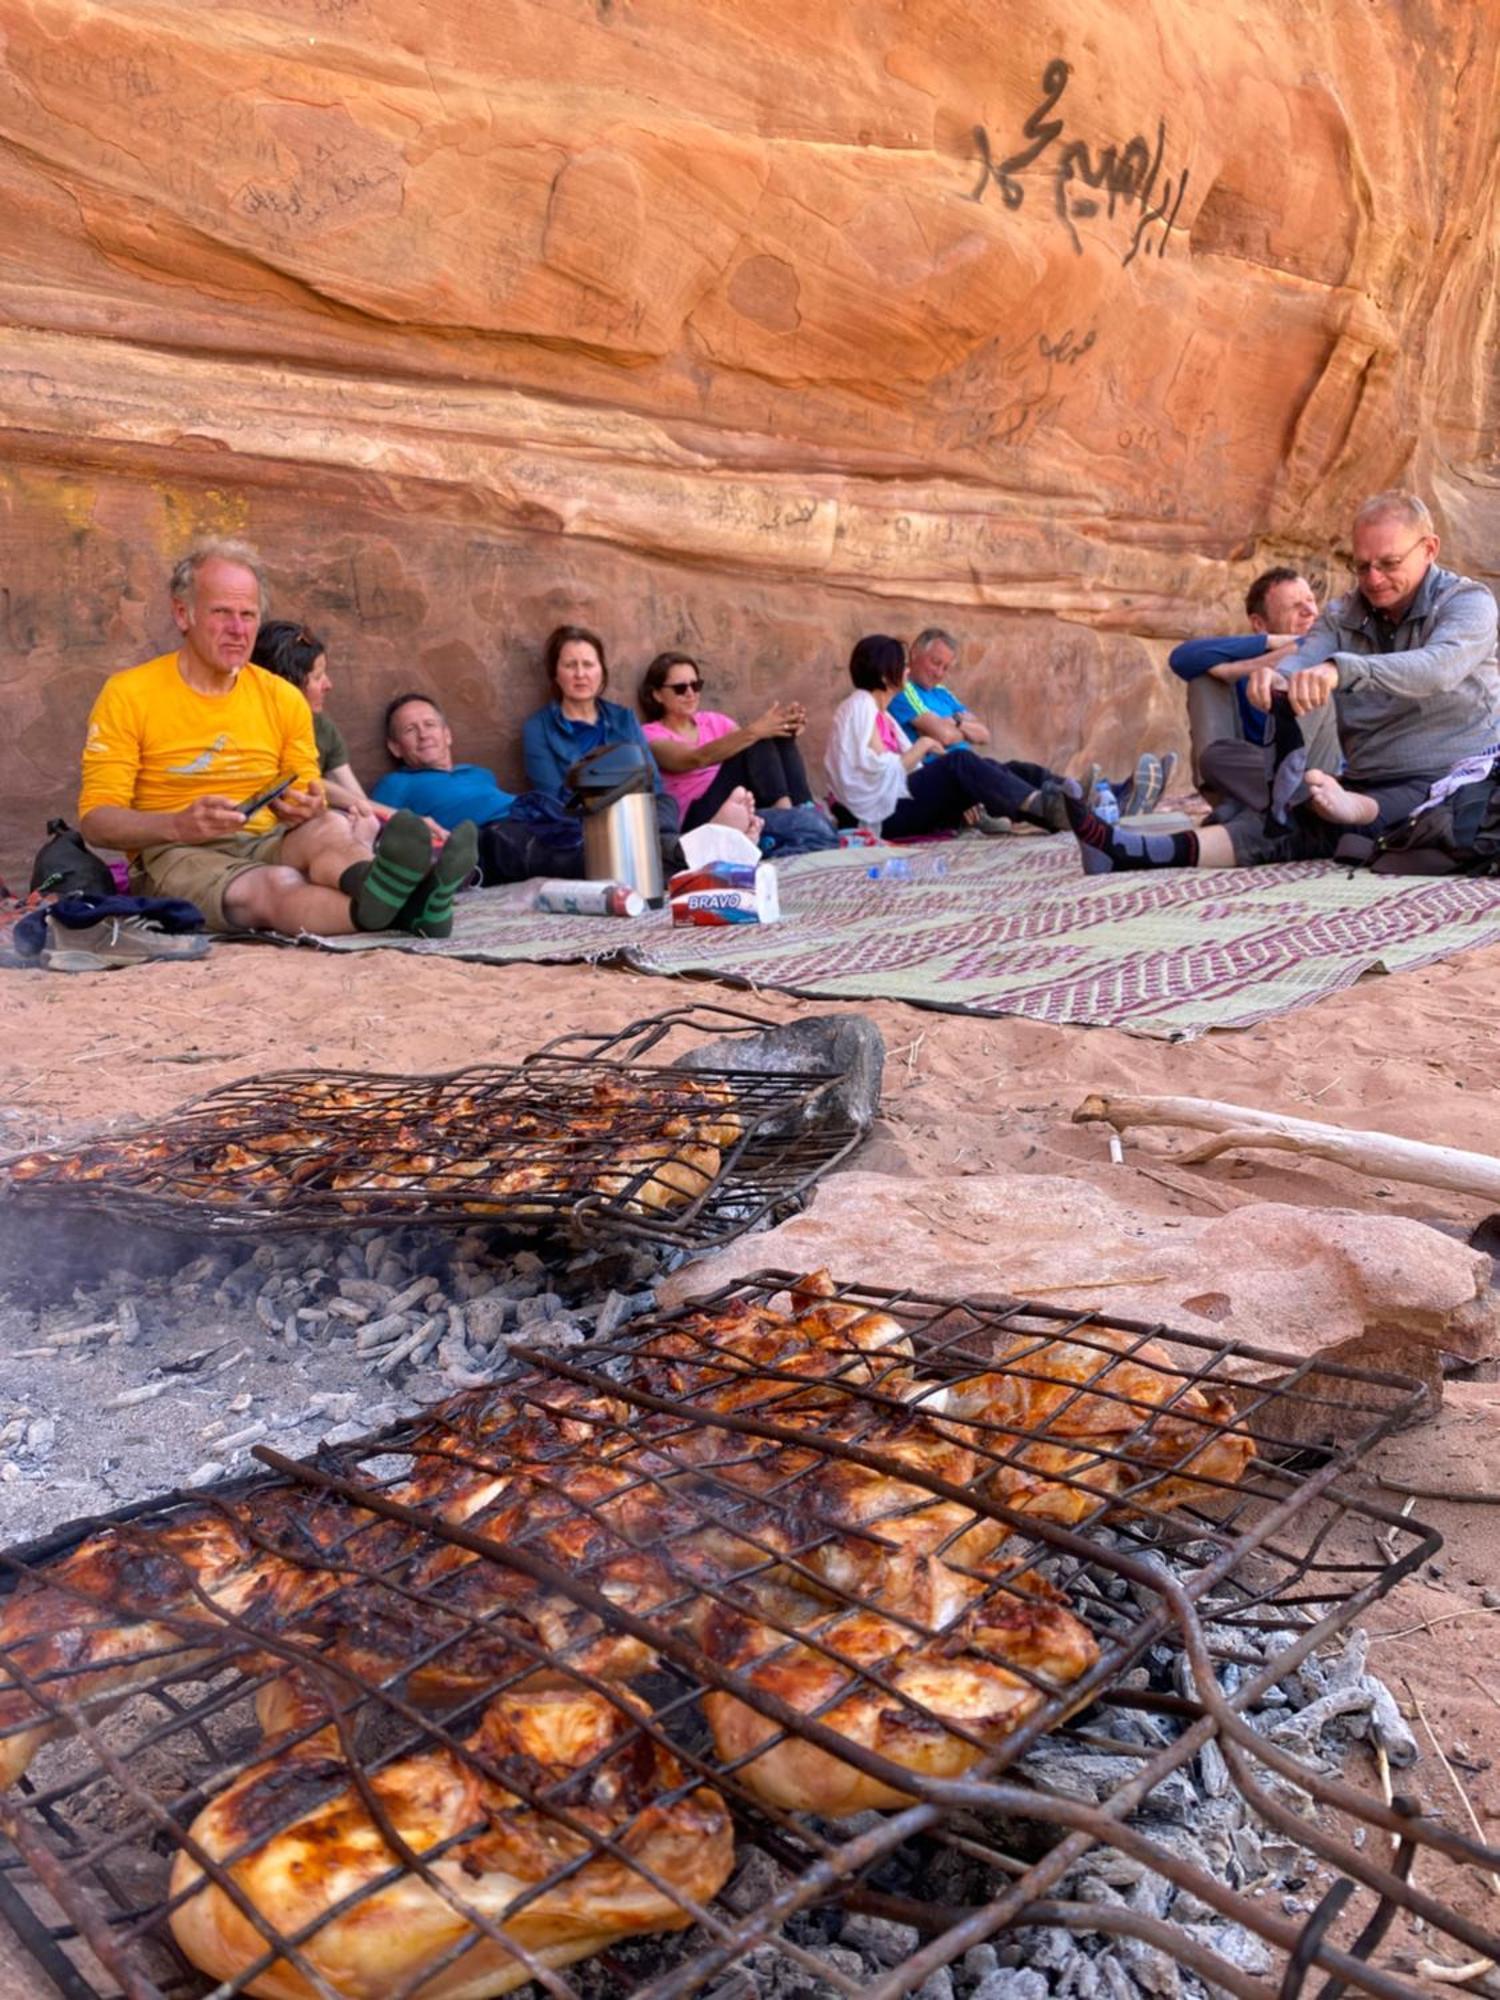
{"points": [[1051, 804], [117, 941], [1151, 779]]}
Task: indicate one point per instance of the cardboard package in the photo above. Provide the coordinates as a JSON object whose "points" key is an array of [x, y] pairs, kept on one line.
{"points": [[725, 892]]}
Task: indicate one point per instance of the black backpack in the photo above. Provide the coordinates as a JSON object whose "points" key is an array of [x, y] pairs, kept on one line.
{"points": [[66, 865], [1459, 837]]}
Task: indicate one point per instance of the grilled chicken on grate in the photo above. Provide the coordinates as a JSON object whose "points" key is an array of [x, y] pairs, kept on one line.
{"points": [[489, 1149], [788, 1494], [488, 1844]]}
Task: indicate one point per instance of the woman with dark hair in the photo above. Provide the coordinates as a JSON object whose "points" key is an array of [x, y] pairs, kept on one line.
{"points": [[900, 788], [578, 719], [299, 656], [706, 755]]}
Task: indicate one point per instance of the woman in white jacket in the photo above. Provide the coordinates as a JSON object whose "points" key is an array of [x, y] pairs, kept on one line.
{"points": [[899, 788]]}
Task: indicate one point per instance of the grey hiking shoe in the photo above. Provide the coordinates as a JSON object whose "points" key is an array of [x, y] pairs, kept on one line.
{"points": [[117, 941], [1152, 777], [995, 823], [1049, 803]]}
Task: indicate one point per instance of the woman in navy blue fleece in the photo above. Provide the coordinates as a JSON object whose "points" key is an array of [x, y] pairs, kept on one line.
{"points": [[578, 718]]}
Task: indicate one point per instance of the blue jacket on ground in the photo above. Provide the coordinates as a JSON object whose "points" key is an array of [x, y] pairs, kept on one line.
{"points": [[468, 791], [552, 743], [1196, 656]]}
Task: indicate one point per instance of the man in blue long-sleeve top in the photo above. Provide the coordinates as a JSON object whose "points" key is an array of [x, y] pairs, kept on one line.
{"points": [[1227, 732], [1279, 608], [1406, 659], [512, 845]]}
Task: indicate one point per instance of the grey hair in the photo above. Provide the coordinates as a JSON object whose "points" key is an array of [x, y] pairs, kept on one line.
{"points": [[216, 548], [1398, 502], [934, 635]]}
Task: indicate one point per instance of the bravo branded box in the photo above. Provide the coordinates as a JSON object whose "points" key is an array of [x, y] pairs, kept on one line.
{"points": [[725, 892]]}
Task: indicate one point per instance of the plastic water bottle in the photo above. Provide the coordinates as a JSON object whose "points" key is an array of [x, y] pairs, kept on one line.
{"points": [[931, 867], [1103, 804], [897, 869]]}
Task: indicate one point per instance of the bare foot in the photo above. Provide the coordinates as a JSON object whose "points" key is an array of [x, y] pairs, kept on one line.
{"points": [[1330, 801], [738, 811]]}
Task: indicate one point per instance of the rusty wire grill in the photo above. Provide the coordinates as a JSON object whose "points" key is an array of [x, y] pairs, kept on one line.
{"points": [[585, 1137], [651, 1544]]}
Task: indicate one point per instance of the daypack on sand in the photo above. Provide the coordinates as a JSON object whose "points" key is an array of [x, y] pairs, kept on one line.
{"points": [[1461, 836]]}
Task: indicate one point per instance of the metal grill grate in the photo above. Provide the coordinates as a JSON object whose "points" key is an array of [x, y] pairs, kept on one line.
{"points": [[718, 1570], [586, 1137]]}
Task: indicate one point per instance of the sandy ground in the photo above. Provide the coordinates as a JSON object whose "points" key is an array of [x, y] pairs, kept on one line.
{"points": [[1410, 1055]]}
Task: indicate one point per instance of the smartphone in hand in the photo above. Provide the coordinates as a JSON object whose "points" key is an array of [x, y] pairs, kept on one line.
{"points": [[254, 804]]}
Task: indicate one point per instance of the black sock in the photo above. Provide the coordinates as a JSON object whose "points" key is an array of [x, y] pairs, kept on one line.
{"points": [[1106, 849]]}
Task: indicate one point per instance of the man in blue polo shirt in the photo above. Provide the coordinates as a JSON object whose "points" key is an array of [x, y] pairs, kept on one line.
{"points": [[927, 708], [926, 705], [537, 839], [427, 781]]}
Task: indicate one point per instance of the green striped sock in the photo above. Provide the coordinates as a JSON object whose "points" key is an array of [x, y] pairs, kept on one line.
{"points": [[378, 889], [433, 914]]}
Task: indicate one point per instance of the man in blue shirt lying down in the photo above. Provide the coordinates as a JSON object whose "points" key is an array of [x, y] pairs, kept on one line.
{"points": [[427, 781], [519, 837]]}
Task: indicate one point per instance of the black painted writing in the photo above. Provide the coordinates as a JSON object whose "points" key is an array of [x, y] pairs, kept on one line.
{"points": [[1086, 181], [1064, 348], [1038, 130]]}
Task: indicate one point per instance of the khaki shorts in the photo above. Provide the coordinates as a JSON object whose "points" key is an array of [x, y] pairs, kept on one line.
{"points": [[200, 874]]}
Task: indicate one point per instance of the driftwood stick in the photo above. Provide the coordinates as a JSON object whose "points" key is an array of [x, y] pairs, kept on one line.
{"points": [[1232, 1125], [1226, 1142]]}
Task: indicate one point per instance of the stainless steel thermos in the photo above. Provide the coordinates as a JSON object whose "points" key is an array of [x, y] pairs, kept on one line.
{"points": [[614, 789]]}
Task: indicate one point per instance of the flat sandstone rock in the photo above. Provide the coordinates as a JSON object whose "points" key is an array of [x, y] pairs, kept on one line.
{"points": [[1366, 1291]]}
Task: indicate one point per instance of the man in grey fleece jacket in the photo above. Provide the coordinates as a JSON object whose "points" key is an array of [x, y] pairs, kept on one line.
{"points": [[1408, 659]]}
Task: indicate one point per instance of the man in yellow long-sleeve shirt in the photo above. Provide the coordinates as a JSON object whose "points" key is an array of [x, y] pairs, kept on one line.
{"points": [[174, 749]]}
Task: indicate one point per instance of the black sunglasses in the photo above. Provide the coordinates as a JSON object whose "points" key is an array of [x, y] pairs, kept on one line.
{"points": [[682, 687]]}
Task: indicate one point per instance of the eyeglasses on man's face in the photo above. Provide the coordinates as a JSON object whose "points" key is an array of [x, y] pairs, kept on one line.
{"points": [[682, 687], [1385, 565]]}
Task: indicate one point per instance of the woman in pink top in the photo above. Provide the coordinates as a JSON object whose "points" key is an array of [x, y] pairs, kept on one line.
{"points": [[705, 755]]}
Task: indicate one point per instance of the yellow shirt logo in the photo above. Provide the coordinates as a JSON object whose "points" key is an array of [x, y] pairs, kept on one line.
{"points": [[204, 761]]}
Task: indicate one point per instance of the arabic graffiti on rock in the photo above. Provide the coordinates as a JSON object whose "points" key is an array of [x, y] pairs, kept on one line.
{"points": [[1039, 132], [1117, 177]]}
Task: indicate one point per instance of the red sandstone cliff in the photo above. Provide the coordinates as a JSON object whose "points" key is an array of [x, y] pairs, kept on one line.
{"points": [[742, 327]]}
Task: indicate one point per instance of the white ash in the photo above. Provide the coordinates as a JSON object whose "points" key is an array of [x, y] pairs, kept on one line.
{"points": [[142, 1380]]}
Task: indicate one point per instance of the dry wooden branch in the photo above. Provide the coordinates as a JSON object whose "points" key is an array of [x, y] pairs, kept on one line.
{"points": [[1472, 1496], [1445, 1618], [1455, 1781], [1453, 1975], [1234, 1125]]}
